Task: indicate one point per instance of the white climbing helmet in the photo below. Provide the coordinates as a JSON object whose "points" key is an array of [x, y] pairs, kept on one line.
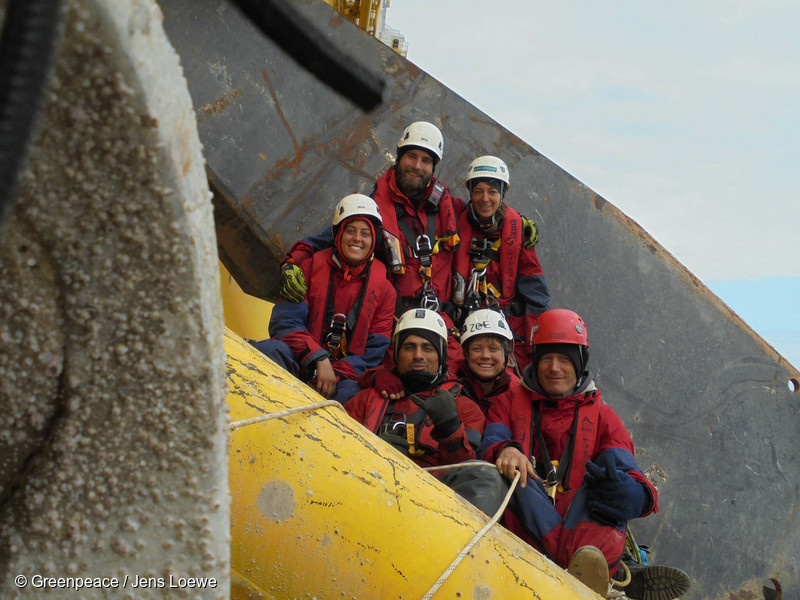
{"points": [[421, 319], [485, 321], [357, 205], [488, 167], [422, 134]]}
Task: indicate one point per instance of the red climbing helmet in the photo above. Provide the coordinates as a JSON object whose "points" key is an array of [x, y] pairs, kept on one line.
{"points": [[559, 326]]}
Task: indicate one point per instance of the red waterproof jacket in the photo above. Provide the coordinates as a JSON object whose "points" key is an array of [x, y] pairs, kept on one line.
{"points": [[304, 326], [368, 407], [513, 269], [599, 429], [406, 221], [402, 219], [472, 387]]}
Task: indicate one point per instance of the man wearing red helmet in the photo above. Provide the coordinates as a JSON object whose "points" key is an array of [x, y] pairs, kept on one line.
{"points": [[579, 481]]}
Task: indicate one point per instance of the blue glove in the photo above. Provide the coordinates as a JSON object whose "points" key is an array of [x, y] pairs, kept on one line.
{"points": [[614, 496]]}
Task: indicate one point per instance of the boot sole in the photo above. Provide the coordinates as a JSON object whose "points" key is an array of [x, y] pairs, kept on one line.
{"points": [[657, 582]]}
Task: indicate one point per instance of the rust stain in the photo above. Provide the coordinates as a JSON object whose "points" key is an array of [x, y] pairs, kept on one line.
{"points": [[218, 106], [297, 148]]}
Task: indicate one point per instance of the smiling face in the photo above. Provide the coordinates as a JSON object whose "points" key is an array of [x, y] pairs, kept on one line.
{"points": [[485, 200], [416, 354], [356, 242], [485, 356], [414, 171], [556, 374]]}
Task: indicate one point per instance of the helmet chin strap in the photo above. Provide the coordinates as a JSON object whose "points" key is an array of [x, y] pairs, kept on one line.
{"points": [[481, 223]]}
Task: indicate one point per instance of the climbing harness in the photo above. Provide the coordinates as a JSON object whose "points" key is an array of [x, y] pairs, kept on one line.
{"points": [[336, 335], [553, 472]]}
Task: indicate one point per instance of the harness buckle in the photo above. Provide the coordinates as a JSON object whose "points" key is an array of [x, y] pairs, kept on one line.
{"points": [[396, 425], [424, 250], [338, 323], [479, 248], [429, 299]]}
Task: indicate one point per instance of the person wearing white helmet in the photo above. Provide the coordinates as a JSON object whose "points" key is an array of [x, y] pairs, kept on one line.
{"points": [[579, 481], [488, 344], [432, 422], [343, 324], [419, 221], [496, 265], [420, 233]]}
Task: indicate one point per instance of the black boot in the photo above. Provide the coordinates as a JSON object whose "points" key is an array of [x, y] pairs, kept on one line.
{"points": [[653, 582]]}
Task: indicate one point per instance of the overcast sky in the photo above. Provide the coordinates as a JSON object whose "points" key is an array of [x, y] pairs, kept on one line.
{"points": [[683, 115]]}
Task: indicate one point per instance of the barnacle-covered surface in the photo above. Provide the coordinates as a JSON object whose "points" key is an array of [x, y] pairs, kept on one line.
{"points": [[112, 435]]}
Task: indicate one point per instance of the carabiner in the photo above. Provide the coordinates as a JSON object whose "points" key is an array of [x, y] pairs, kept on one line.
{"points": [[424, 250]]}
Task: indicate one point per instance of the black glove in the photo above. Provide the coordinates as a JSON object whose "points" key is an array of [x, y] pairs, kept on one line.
{"points": [[398, 441], [530, 233], [293, 282], [441, 408], [614, 496]]}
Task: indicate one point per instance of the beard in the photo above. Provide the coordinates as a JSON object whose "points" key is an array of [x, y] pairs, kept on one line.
{"points": [[412, 187]]}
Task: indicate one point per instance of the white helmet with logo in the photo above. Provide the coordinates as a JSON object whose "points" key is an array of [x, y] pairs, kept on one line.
{"points": [[357, 205], [485, 322], [488, 167], [422, 321], [422, 134]]}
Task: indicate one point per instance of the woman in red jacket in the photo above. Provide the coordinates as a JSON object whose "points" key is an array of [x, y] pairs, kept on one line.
{"points": [[496, 265], [344, 324]]}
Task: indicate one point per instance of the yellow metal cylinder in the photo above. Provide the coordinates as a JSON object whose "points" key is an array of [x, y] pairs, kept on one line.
{"points": [[322, 508]]}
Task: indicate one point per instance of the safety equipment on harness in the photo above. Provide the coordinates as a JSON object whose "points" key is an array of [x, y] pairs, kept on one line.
{"points": [[336, 343], [459, 288], [560, 326], [441, 408], [486, 322], [422, 134], [530, 233], [483, 250], [397, 439], [293, 282], [488, 167], [614, 497], [394, 253]]}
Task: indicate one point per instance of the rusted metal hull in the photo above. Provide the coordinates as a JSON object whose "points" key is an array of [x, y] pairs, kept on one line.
{"points": [[706, 400]]}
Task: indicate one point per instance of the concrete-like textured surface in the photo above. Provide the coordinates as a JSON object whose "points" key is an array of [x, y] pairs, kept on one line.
{"points": [[112, 379]]}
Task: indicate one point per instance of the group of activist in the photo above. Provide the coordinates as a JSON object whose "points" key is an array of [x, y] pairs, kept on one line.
{"points": [[428, 318]]}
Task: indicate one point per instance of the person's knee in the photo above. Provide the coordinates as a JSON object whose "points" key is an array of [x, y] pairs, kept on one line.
{"points": [[279, 352], [346, 389], [482, 485]]}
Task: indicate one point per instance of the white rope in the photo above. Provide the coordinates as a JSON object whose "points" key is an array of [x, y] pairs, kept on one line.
{"points": [[283, 413], [478, 535]]}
